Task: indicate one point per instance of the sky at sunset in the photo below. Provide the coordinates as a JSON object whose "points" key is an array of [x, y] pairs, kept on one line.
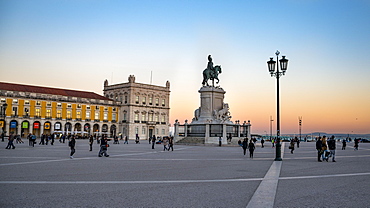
{"points": [[78, 44]]}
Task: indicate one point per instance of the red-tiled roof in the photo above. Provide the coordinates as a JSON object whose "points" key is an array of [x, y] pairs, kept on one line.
{"points": [[50, 91]]}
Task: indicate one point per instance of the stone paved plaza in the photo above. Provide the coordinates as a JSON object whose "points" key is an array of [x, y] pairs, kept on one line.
{"points": [[191, 176]]}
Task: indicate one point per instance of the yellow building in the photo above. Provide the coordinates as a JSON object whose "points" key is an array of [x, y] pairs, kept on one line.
{"points": [[43, 110]]}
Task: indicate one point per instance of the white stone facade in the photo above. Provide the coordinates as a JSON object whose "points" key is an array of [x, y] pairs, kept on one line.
{"points": [[144, 109]]}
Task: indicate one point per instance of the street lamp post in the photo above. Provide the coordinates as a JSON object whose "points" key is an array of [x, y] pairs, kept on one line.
{"points": [[300, 127], [271, 67], [271, 128]]}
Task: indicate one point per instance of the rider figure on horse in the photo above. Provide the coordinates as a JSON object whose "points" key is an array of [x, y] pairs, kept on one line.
{"points": [[210, 66]]}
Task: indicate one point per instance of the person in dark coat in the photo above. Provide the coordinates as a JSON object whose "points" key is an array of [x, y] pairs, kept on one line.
{"points": [[91, 142], [245, 145], [319, 149], [10, 142], [344, 144], [262, 142], [72, 144], [103, 147], [291, 147], [332, 146], [153, 141], [251, 148]]}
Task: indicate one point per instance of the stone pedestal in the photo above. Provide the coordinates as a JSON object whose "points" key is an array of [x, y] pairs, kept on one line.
{"points": [[211, 102]]}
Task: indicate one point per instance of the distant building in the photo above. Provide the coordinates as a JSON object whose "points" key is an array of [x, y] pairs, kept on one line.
{"points": [[144, 109], [34, 109]]}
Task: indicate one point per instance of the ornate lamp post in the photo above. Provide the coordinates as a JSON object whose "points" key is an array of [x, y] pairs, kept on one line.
{"points": [[271, 67]]}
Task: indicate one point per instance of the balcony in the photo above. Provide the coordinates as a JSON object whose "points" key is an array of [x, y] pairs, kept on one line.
{"points": [[97, 120]]}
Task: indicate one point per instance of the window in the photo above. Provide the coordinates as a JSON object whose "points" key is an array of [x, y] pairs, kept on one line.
{"points": [[96, 115], [156, 131], [105, 116], [163, 119], [69, 105], [15, 111], [48, 104], [48, 113], [114, 109], [37, 112], [136, 130], [151, 117], [143, 131], [26, 102], [38, 103], [163, 102], [114, 116], [26, 111], [15, 101], [143, 117], [150, 100], [59, 114], [163, 131], [144, 100], [59, 105], [137, 99], [87, 114], [69, 114], [125, 98], [88, 107], [105, 108], [78, 114], [156, 118], [78, 105], [157, 101], [96, 107], [136, 116], [124, 116]]}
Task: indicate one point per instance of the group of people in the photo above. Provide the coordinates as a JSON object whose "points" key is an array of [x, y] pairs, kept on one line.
{"points": [[250, 146], [322, 146]]}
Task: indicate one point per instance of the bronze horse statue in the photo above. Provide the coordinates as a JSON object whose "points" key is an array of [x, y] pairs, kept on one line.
{"points": [[209, 74]]}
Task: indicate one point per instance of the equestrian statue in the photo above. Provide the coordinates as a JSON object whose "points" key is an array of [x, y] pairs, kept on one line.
{"points": [[211, 73]]}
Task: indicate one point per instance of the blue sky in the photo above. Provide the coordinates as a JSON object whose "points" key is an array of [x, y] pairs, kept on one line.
{"points": [[78, 44]]}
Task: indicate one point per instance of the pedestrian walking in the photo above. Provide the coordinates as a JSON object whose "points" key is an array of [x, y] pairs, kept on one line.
{"points": [[273, 143], [344, 144], [10, 142], [91, 142], [165, 143], [245, 145], [326, 153], [153, 141], [291, 146], [332, 146], [262, 142], [137, 139], [170, 143], [72, 144], [319, 149], [251, 148], [219, 141], [103, 147], [356, 143], [33, 140], [298, 141]]}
